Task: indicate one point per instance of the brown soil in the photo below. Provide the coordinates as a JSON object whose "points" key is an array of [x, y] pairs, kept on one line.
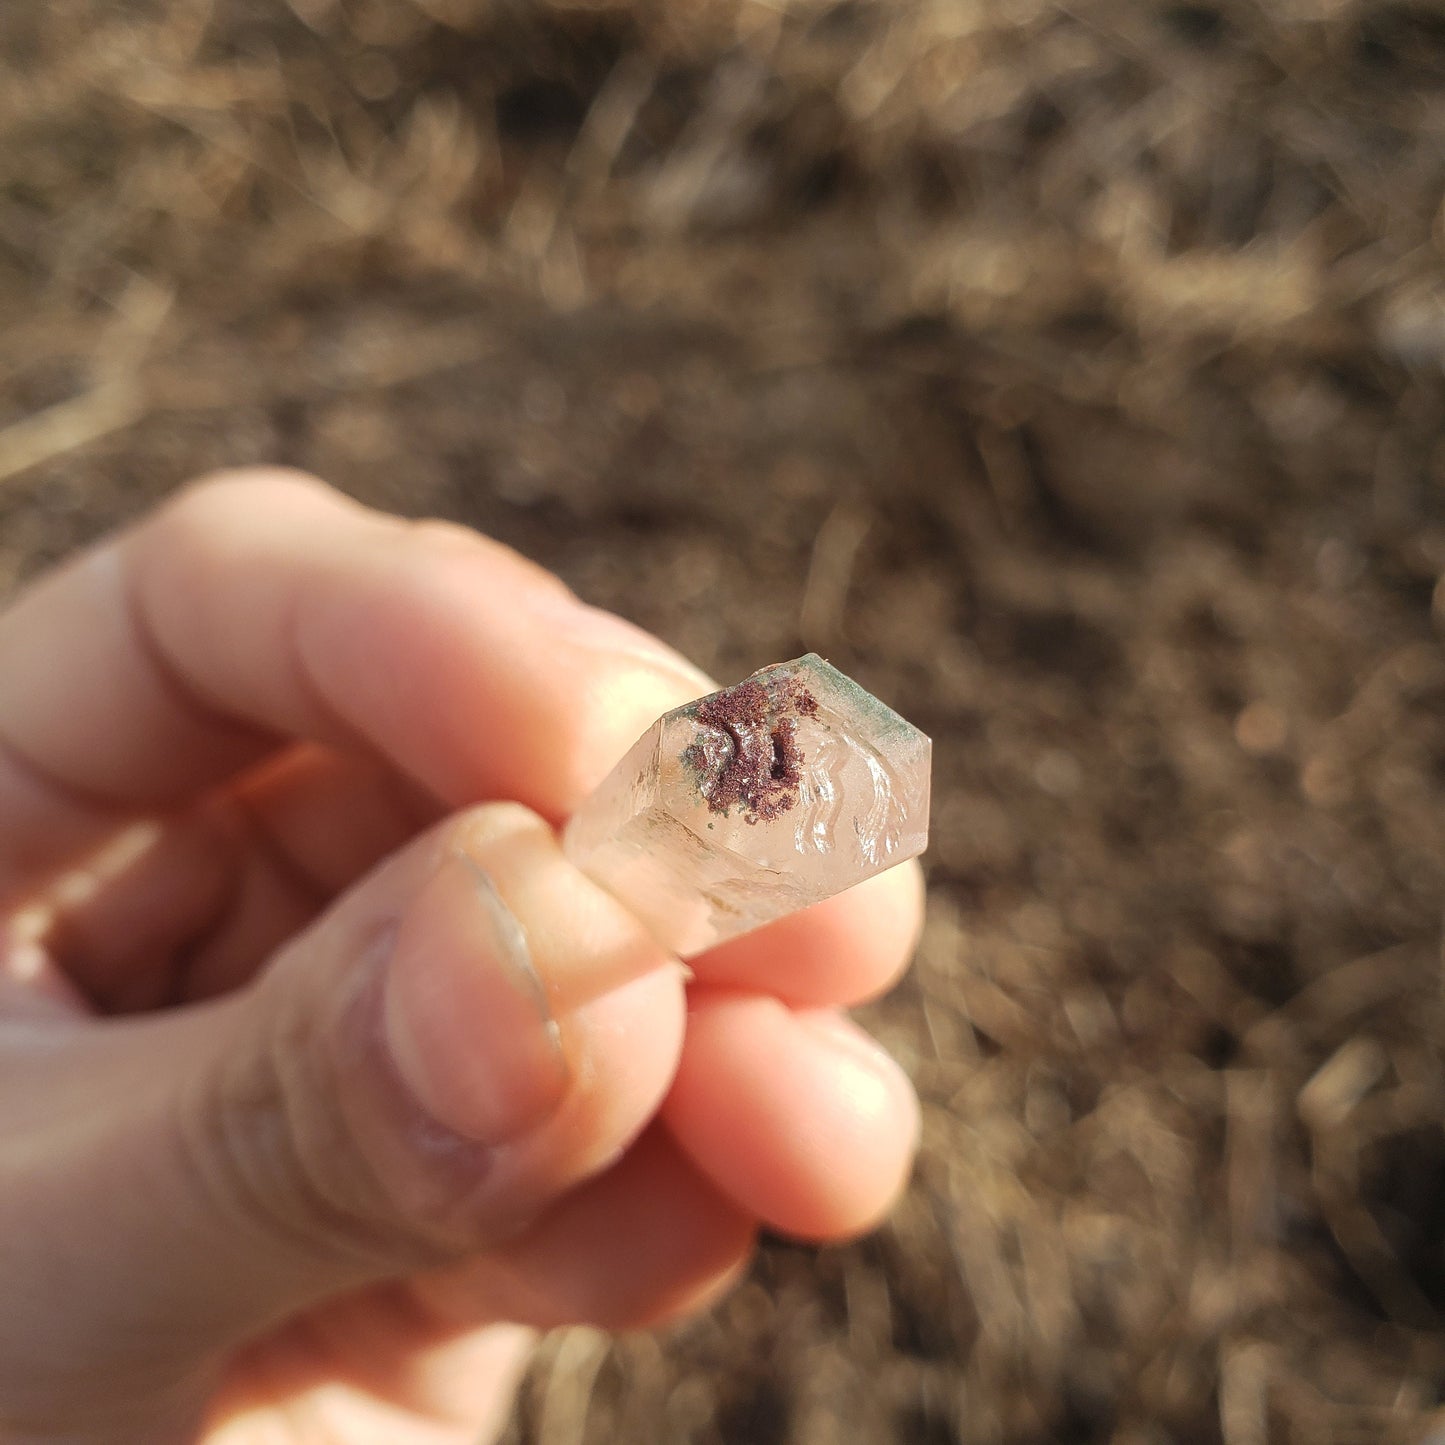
{"points": [[1069, 374]]}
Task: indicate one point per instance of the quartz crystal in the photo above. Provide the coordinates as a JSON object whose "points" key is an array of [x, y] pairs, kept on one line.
{"points": [[755, 801]]}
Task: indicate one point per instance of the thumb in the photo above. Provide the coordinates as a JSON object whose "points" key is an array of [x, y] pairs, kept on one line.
{"points": [[463, 1037]]}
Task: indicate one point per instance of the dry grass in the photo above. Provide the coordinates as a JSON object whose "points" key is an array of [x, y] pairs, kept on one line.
{"points": [[1070, 372]]}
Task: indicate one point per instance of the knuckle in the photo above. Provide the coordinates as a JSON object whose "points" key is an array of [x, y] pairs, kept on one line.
{"points": [[437, 537], [300, 1141], [214, 499], [444, 536], [241, 1149]]}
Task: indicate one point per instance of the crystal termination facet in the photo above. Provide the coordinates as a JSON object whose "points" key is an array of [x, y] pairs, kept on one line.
{"points": [[755, 801]]}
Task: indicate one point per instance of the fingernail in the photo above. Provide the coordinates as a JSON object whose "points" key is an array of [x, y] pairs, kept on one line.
{"points": [[466, 1015], [601, 631], [844, 1039]]}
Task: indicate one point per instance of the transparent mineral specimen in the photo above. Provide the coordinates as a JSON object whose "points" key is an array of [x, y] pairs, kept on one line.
{"points": [[755, 801]]}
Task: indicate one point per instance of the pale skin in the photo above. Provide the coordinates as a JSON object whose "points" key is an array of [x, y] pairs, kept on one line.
{"points": [[325, 1079]]}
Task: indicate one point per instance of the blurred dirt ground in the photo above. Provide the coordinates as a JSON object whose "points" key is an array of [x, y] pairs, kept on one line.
{"points": [[1070, 373]]}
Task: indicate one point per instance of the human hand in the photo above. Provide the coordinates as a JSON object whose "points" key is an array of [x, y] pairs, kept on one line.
{"points": [[325, 1078]]}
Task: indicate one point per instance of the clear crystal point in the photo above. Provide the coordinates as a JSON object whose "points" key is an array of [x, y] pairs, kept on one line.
{"points": [[755, 801]]}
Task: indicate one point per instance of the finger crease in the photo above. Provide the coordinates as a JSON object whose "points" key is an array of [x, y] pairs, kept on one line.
{"points": [[184, 695], [106, 811], [315, 697], [249, 833], [286, 863]]}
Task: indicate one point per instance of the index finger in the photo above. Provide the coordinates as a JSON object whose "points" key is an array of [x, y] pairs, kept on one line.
{"points": [[264, 607]]}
